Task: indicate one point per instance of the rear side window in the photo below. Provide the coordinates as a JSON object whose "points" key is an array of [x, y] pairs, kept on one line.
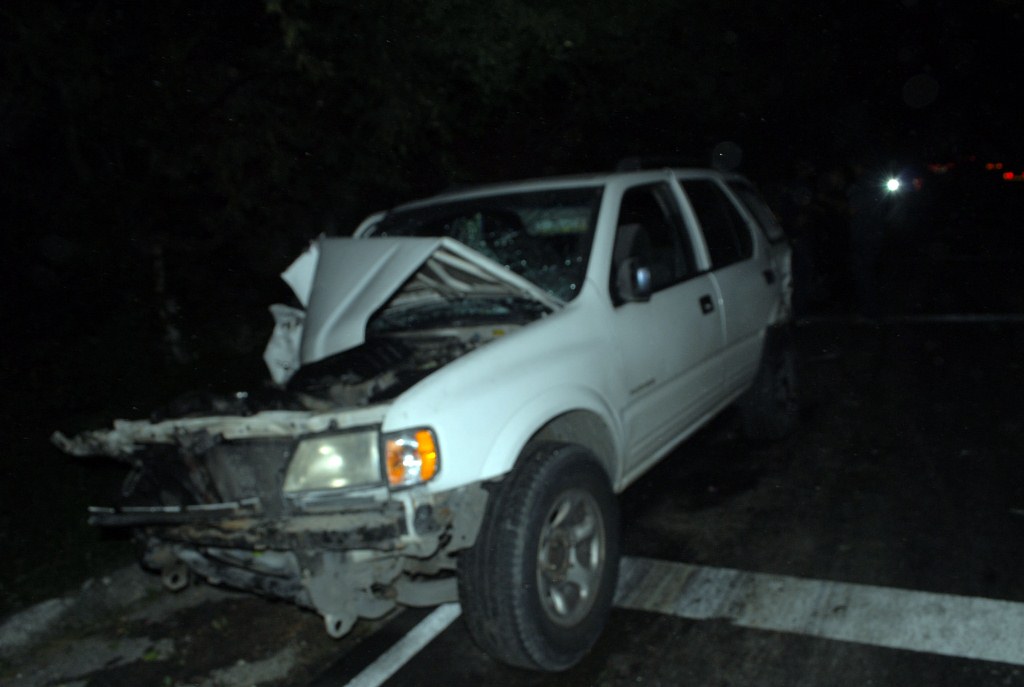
{"points": [[727, 235], [759, 209]]}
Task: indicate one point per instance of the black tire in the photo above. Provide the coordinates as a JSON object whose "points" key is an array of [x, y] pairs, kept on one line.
{"points": [[770, 409], [533, 616]]}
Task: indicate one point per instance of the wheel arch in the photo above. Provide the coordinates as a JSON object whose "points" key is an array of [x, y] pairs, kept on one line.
{"points": [[587, 423], [583, 428]]}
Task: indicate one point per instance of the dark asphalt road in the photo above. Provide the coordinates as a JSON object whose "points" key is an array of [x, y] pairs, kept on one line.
{"points": [[906, 474], [869, 543]]}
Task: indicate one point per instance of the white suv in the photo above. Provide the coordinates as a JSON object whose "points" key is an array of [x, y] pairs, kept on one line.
{"points": [[469, 382]]}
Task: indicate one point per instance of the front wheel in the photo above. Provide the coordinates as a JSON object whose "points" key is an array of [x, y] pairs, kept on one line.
{"points": [[537, 585]]}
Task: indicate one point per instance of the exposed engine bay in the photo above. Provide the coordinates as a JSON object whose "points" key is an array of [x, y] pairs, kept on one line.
{"points": [[382, 368], [375, 372]]}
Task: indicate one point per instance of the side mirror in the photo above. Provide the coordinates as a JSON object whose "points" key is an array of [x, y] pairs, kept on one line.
{"points": [[633, 281]]}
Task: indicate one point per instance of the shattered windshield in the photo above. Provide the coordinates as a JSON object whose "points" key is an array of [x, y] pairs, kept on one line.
{"points": [[543, 236]]}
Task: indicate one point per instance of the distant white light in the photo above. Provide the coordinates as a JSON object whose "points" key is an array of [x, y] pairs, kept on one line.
{"points": [[892, 185]]}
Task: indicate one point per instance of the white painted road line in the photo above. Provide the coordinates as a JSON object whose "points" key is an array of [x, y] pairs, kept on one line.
{"points": [[945, 624], [949, 318], [981, 318], [388, 663]]}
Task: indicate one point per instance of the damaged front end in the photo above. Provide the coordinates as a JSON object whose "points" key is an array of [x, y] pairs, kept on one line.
{"points": [[290, 504], [298, 492]]}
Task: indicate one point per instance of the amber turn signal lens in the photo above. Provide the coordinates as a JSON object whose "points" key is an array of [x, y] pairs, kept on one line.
{"points": [[410, 457]]}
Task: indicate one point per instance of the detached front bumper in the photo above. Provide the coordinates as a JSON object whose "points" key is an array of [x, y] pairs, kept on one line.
{"points": [[240, 525], [344, 565], [206, 497]]}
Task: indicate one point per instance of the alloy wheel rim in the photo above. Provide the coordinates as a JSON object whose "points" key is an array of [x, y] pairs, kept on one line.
{"points": [[570, 557]]}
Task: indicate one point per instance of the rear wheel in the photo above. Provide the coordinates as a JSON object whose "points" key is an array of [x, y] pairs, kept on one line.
{"points": [[537, 585], [770, 409]]}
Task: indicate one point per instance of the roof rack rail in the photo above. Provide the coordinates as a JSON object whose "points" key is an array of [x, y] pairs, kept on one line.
{"points": [[639, 162]]}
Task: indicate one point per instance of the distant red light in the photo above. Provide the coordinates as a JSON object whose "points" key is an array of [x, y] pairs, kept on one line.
{"points": [[1008, 176]]}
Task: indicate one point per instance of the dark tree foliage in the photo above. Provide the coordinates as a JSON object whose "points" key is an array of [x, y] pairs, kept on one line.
{"points": [[472, 90], [163, 161]]}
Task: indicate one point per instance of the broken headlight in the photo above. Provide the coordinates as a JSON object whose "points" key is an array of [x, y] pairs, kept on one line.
{"points": [[334, 461]]}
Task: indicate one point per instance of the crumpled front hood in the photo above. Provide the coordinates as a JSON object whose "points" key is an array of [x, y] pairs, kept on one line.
{"points": [[342, 282]]}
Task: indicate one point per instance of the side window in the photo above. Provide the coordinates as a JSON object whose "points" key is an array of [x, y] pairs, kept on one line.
{"points": [[759, 209], [727, 235], [650, 228]]}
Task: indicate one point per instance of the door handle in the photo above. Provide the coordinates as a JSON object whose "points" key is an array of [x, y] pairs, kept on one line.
{"points": [[769, 276], [706, 304]]}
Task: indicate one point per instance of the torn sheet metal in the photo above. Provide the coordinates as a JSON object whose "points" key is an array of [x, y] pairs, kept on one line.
{"points": [[342, 282], [353, 279], [282, 352], [299, 275], [128, 436]]}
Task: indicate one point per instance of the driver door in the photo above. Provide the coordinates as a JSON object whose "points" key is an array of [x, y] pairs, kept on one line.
{"points": [[668, 345]]}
